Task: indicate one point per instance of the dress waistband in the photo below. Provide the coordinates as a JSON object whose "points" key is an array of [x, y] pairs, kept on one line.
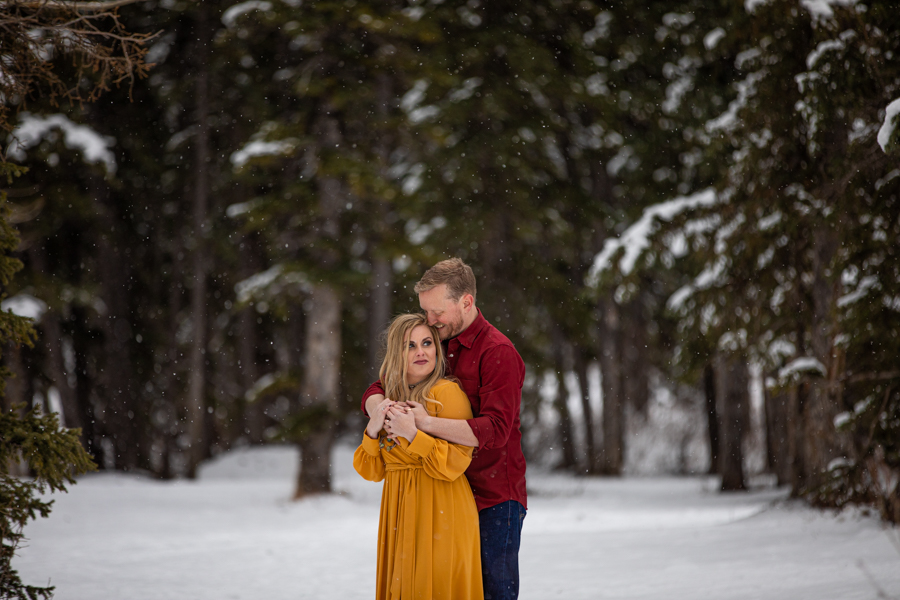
{"points": [[400, 467]]}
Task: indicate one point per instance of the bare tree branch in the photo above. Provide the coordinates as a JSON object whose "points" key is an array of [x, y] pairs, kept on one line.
{"points": [[81, 7], [37, 34]]}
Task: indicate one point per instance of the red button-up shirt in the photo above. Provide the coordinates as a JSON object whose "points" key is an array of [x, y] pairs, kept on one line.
{"points": [[491, 373]]}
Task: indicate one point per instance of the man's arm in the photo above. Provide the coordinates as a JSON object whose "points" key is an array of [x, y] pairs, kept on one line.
{"points": [[368, 405], [500, 394], [455, 431], [371, 403]]}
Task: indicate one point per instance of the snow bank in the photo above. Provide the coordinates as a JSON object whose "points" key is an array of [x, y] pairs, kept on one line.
{"points": [[234, 533]]}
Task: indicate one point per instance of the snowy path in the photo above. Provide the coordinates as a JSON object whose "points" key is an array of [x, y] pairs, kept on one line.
{"points": [[234, 535]]}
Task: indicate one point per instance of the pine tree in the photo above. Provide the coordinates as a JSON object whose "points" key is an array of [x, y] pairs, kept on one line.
{"points": [[53, 455]]}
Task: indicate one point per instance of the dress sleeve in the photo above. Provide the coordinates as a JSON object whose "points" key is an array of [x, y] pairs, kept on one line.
{"points": [[367, 459], [441, 459]]}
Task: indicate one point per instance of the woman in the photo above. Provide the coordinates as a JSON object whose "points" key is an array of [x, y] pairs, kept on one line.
{"points": [[428, 543]]}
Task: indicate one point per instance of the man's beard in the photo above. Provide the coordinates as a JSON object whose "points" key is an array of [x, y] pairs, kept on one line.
{"points": [[451, 330]]}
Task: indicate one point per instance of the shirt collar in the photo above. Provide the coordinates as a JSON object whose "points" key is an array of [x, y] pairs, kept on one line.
{"points": [[470, 333]]}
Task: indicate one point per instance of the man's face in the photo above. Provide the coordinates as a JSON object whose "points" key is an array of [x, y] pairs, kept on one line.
{"points": [[442, 312]]}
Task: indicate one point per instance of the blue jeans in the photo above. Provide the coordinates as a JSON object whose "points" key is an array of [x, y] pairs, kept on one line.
{"points": [[501, 532]]}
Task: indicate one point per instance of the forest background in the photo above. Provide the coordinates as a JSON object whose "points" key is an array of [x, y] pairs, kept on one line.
{"points": [[673, 195]]}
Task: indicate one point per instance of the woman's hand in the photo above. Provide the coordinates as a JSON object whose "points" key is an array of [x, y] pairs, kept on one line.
{"points": [[401, 422], [376, 420], [420, 413]]}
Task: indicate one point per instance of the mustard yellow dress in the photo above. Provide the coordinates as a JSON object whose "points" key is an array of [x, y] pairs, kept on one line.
{"points": [[428, 540]]}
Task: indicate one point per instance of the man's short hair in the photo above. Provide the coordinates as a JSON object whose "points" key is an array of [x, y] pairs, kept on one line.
{"points": [[453, 272]]}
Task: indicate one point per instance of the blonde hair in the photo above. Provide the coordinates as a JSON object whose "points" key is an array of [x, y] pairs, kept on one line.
{"points": [[453, 272], [395, 364]]}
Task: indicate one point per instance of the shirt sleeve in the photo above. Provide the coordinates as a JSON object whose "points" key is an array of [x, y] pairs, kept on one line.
{"points": [[373, 389], [502, 376]]}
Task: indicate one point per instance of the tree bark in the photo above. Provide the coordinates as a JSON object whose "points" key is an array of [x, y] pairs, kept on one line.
{"points": [[323, 333], [252, 416], [320, 389], [196, 403], [590, 451], [561, 403], [612, 457], [732, 387], [633, 340], [822, 443], [380, 292], [712, 417], [778, 421], [124, 421], [53, 343]]}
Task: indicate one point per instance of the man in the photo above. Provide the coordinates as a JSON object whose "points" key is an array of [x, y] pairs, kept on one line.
{"points": [[491, 372]]}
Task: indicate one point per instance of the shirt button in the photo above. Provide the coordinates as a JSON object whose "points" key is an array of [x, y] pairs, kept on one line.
{"points": [[451, 356]]}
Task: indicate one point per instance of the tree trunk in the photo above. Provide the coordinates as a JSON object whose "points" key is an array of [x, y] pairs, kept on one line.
{"points": [[590, 450], [323, 334], [53, 340], [633, 340], [822, 443], [84, 383], [797, 408], [53, 343], [712, 417], [196, 404], [320, 389], [251, 415], [561, 403], [123, 419], [778, 420], [380, 291], [612, 458], [732, 387]]}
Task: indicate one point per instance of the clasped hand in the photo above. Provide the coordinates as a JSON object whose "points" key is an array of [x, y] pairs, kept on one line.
{"points": [[398, 419]]}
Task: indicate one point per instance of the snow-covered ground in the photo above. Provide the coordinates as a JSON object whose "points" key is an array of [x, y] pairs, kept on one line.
{"points": [[234, 534]]}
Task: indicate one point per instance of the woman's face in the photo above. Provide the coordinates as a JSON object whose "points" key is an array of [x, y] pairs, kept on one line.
{"points": [[421, 352]]}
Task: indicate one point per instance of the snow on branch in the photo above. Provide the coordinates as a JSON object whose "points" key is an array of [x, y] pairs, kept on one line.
{"points": [[270, 283], [636, 238], [865, 284], [24, 305], [728, 120], [890, 122], [258, 148], [233, 13], [705, 280], [32, 130], [822, 9], [804, 364]]}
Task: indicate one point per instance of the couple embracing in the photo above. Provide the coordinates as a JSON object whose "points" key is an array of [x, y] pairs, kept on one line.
{"points": [[444, 435]]}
